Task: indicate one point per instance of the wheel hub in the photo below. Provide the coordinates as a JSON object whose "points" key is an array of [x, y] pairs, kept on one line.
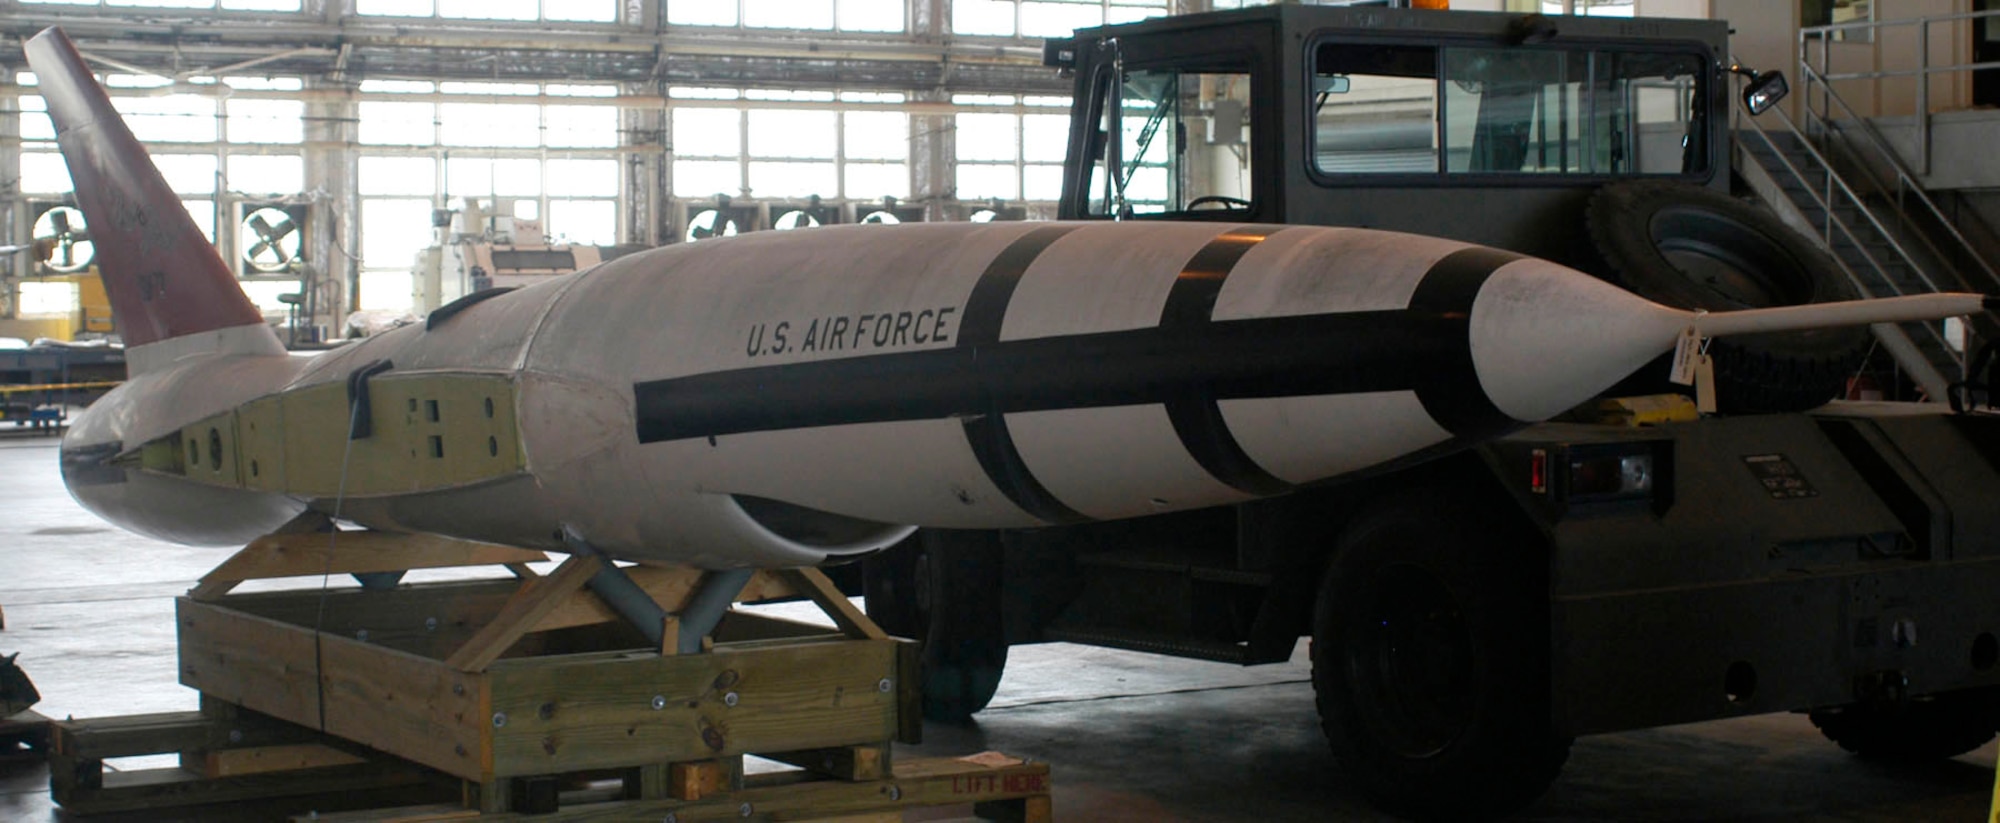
{"points": [[1409, 663]]}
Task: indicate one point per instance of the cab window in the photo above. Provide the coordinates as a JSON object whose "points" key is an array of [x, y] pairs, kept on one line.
{"points": [[1392, 109], [1182, 143]]}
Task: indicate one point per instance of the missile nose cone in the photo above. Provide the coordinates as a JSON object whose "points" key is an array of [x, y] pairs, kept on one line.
{"points": [[1545, 337]]}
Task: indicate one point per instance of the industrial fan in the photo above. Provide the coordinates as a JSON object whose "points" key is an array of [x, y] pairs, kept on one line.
{"points": [[271, 240], [63, 241], [710, 223], [795, 219]]}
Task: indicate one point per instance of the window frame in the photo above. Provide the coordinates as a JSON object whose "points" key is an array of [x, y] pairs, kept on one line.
{"points": [[1086, 143], [1443, 177]]}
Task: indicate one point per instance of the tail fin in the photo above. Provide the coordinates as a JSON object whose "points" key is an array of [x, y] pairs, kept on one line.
{"points": [[165, 279]]}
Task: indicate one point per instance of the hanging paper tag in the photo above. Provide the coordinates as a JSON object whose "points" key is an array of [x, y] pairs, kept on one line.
{"points": [[1704, 384], [1686, 349]]}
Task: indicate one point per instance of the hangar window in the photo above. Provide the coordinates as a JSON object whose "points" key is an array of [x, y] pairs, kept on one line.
{"points": [[508, 144], [1046, 18], [180, 118], [1010, 147], [267, 174], [727, 141], [587, 11], [225, 5], [819, 15]]}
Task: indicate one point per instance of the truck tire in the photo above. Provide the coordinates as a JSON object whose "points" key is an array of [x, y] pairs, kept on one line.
{"points": [[942, 589], [1949, 725], [1431, 664], [1692, 248]]}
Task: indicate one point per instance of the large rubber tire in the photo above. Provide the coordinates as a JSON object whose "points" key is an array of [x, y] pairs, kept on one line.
{"points": [[1948, 725], [1431, 664], [1693, 248], [943, 589]]}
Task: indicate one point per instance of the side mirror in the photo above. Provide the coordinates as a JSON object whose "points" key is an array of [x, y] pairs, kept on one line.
{"points": [[1764, 91]]}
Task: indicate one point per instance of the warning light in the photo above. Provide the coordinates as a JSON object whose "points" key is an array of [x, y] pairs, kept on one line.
{"points": [[1538, 471]]}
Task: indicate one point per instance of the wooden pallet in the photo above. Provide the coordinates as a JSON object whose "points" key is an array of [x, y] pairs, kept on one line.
{"points": [[226, 755], [24, 736], [994, 786], [517, 691]]}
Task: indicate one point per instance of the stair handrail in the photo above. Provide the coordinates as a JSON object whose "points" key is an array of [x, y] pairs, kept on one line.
{"points": [[1872, 27], [1906, 181], [1852, 198], [1826, 207]]}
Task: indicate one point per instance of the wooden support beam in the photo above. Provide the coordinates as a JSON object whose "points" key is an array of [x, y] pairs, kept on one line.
{"points": [[813, 584], [214, 585], [521, 615], [352, 552], [266, 759]]}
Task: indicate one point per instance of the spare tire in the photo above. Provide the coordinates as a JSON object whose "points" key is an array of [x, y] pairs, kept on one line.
{"points": [[1693, 248]]}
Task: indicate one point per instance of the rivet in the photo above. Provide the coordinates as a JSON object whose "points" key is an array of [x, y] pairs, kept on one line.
{"points": [[744, 810], [499, 719], [430, 624], [729, 699], [659, 702], [884, 685]]}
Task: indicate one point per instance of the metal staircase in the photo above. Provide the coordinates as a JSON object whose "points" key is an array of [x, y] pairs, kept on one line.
{"points": [[1889, 237]]}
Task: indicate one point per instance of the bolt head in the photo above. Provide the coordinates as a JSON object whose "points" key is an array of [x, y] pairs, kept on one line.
{"points": [[430, 624], [884, 685], [499, 719], [729, 699], [235, 735], [659, 702], [744, 810]]}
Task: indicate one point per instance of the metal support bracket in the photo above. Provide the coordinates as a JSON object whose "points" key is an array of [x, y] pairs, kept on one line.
{"points": [[704, 610]]}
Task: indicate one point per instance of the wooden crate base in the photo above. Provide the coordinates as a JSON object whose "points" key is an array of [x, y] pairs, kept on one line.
{"points": [[996, 787], [527, 695]]}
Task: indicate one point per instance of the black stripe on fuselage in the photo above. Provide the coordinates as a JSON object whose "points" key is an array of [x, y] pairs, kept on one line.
{"points": [[1194, 413], [1449, 387], [986, 426], [1350, 352], [1424, 349]]}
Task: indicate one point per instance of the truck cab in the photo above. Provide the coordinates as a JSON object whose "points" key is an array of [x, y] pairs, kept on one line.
{"points": [[1471, 615], [1487, 128]]}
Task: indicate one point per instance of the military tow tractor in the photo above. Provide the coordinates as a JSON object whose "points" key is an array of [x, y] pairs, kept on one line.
{"points": [[1472, 615]]}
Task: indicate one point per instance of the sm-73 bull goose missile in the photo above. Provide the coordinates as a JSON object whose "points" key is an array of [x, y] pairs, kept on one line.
{"points": [[781, 398]]}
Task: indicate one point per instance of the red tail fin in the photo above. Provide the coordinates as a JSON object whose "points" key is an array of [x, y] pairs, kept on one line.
{"points": [[163, 277]]}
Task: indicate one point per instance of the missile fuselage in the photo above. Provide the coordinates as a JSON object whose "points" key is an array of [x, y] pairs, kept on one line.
{"points": [[779, 398]]}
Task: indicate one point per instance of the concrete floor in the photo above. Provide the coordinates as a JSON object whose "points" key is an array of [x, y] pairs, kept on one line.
{"points": [[1130, 737]]}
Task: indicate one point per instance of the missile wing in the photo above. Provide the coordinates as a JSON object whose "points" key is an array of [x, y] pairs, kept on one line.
{"points": [[780, 398]]}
